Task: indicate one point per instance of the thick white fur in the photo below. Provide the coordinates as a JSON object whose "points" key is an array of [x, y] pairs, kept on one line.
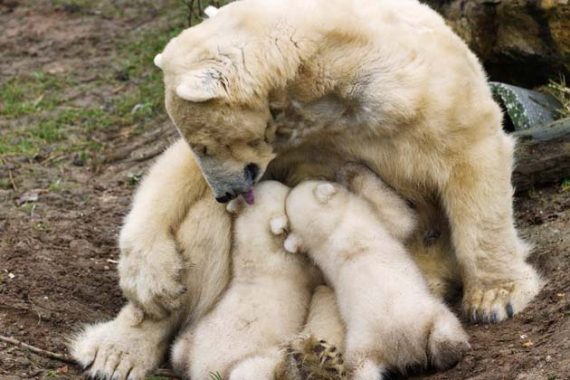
{"points": [[266, 301], [188, 273], [360, 81], [392, 320], [386, 83]]}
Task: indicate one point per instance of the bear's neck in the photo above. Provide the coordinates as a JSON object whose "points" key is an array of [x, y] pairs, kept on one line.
{"points": [[317, 94]]}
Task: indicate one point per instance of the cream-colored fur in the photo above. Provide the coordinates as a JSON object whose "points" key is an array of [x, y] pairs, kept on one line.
{"points": [[392, 320], [265, 304], [311, 85], [194, 255], [386, 83]]}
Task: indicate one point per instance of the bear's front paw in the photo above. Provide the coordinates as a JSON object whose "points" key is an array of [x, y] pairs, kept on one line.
{"points": [[494, 301], [151, 277]]}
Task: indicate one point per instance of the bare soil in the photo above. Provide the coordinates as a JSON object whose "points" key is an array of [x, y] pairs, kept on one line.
{"points": [[58, 253]]}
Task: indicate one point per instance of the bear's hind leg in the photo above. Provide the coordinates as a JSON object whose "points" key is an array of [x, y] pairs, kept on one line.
{"points": [[317, 352]]}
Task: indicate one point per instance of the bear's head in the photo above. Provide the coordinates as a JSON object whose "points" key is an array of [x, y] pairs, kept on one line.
{"points": [[314, 209], [218, 105]]}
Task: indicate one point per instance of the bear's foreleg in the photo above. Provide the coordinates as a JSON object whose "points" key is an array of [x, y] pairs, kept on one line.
{"points": [[150, 266], [497, 281]]}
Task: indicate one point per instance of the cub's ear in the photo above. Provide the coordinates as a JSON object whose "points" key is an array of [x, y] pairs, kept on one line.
{"points": [[211, 11], [201, 85], [235, 205], [293, 244], [324, 192], [278, 224]]}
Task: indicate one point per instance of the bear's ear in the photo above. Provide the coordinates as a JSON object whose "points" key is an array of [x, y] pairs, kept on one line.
{"points": [[292, 244], [201, 85], [158, 61], [211, 11], [324, 192], [278, 224]]}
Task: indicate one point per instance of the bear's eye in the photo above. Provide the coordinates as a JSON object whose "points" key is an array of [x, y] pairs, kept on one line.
{"points": [[255, 143], [199, 149]]}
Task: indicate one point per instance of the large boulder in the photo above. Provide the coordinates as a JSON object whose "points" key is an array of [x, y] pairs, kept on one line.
{"points": [[525, 42]]}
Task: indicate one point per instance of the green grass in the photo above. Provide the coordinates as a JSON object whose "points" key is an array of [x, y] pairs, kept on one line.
{"points": [[34, 113], [565, 185], [28, 94], [560, 90]]}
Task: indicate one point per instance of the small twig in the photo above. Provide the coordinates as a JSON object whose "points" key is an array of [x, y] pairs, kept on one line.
{"points": [[66, 359], [190, 5], [148, 156], [39, 351], [14, 187]]}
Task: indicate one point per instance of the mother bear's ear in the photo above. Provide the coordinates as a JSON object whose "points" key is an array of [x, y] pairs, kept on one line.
{"points": [[201, 85]]}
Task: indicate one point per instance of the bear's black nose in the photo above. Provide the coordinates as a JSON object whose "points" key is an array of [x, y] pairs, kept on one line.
{"points": [[251, 171], [226, 198]]}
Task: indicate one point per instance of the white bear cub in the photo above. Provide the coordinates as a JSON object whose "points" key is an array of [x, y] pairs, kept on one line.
{"points": [[265, 304], [392, 320]]}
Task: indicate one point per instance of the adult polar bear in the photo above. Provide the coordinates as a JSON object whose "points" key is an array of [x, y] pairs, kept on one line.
{"points": [[386, 83], [307, 86]]}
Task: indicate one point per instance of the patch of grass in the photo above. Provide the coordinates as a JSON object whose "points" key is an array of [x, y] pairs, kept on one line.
{"points": [[565, 186], [35, 115], [28, 94], [560, 90]]}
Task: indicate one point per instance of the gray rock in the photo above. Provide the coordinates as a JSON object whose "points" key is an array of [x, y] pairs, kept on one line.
{"points": [[525, 108]]}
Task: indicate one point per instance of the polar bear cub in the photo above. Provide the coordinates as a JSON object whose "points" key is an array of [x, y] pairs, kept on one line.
{"points": [[265, 304], [392, 320]]}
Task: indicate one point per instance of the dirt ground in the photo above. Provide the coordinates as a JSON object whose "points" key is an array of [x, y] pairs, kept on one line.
{"points": [[64, 189]]}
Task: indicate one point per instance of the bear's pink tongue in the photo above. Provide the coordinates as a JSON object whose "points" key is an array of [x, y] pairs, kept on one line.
{"points": [[248, 197]]}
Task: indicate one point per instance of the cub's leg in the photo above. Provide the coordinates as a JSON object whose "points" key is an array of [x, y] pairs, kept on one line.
{"points": [[124, 348], [260, 367], [478, 198], [317, 352], [150, 266]]}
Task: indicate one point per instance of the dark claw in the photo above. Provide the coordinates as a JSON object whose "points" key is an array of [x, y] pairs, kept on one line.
{"points": [[494, 317], [510, 311]]}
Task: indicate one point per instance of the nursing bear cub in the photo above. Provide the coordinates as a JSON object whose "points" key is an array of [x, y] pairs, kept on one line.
{"points": [[265, 304], [392, 320]]}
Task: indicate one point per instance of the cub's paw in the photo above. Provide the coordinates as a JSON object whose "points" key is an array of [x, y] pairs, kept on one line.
{"points": [[499, 300], [448, 342], [116, 351], [151, 276], [309, 358]]}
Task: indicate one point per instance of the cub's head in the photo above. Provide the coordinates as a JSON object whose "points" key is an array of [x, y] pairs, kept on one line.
{"points": [[314, 210], [266, 215], [217, 105]]}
